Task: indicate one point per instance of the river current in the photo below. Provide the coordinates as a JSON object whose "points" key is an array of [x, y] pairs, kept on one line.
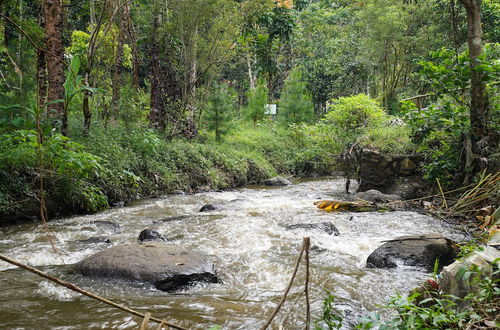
{"points": [[253, 252]]}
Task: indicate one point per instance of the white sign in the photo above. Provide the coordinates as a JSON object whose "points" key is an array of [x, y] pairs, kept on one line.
{"points": [[270, 109]]}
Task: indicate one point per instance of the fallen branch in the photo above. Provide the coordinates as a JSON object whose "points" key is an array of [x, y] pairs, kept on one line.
{"points": [[85, 292]]}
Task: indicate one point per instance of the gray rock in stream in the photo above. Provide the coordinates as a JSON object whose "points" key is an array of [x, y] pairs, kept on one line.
{"points": [[209, 207], [419, 251], [151, 235], [168, 268], [277, 181], [108, 226], [376, 196], [95, 240], [327, 227]]}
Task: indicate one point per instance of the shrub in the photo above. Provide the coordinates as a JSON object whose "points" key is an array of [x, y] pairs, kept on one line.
{"points": [[354, 113]]}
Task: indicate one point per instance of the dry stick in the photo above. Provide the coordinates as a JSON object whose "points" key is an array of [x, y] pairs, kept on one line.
{"points": [[85, 292], [145, 321], [283, 298], [160, 326], [442, 194], [307, 244]]}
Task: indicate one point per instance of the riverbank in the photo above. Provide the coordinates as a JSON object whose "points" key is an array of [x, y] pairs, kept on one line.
{"points": [[113, 166]]}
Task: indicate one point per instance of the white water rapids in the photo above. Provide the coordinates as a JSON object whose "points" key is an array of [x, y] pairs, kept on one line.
{"points": [[253, 252]]}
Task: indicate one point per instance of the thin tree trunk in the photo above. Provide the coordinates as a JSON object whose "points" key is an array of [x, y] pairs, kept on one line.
{"points": [[155, 114], [56, 112], [479, 99], [251, 77], [41, 72], [117, 77]]}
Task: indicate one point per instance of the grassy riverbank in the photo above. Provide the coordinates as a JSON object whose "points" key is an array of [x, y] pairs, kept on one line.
{"points": [[88, 174]]}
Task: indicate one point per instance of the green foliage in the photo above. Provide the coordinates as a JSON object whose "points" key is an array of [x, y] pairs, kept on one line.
{"points": [[220, 110], [388, 139], [295, 104], [330, 316], [70, 173], [257, 100], [441, 128], [444, 312], [354, 113]]}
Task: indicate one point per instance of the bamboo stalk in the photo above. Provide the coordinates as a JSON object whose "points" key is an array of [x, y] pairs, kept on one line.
{"points": [[285, 294], [145, 322], [84, 292], [442, 194], [307, 244]]}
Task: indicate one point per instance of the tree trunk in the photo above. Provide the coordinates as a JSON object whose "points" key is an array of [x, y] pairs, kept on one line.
{"points": [[117, 77], [56, 112], [41, 72], [479, 99], [87, 114], [156, 107]]}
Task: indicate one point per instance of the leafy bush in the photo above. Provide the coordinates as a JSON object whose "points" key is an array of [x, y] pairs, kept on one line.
{"points": [[354, 113]]}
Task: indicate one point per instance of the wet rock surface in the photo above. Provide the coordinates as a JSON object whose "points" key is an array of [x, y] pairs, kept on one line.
{"points": [[277, 181], [326, 227], [168, 268], [95, 240], [108, 226], [209, 208], [151, 235], [376, 196], [419, 251]]}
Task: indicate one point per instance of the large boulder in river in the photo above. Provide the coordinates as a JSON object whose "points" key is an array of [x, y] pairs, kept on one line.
{"points": [[277, 181], [167, 267], [419, 251], [376, 196], [326, 227]]}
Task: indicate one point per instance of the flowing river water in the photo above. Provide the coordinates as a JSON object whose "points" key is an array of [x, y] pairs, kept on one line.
{"points": [[246, 238]]}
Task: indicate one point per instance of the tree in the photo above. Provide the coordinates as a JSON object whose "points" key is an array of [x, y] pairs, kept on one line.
{"points": [[295, 105], [257, 100], [479, 99], [218, 113], [53, 14]]}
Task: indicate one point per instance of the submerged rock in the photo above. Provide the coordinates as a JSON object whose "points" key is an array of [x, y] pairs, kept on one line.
{"points": [[419, 251], [109, 226], [168, 268], [173, 218], [277, 181], [177, 192], [95, 240], [376, 196], [150, 235], [326, 227], [208, 208]]}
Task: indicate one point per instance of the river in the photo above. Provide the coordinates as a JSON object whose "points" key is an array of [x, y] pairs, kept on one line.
{"points": [[252, 250]]}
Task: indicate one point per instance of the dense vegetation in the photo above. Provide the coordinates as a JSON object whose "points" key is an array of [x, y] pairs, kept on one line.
{"points": [[109, 100], [103, 101]]}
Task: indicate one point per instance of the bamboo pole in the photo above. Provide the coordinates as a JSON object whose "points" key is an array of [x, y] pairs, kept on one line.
{"points": [[85, 292], [285, 294], [307, 244]]}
